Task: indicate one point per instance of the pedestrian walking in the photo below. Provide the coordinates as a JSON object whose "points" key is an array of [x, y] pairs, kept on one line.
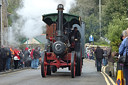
{"points": [[99, 56]]}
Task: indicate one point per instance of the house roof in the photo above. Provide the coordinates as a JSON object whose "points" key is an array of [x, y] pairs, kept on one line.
{"points": [[41, 39], [32, 41]]}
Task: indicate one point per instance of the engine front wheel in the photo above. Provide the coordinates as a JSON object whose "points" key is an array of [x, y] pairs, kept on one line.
{"points": [[73, 66]]}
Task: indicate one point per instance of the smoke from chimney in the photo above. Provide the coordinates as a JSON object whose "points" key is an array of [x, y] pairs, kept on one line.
{"points": [[30, 22]]}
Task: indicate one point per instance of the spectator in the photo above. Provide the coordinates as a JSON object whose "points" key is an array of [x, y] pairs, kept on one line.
{"points": [[99, 56], [21, 55], [4, 58], [91, 54], [104, 60], [122, 51], [1, 61], [27, 59], [86, 48], [8, 61], [111, 62], [32, 57], [12, 54], [36, 55], [16, 58]]}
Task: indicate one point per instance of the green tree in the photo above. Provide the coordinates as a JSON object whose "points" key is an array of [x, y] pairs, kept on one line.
{"points": [[88, 10], [83, 8], [115, 29], [91, 28], [12, 7], [112, 9], [114, 14]]}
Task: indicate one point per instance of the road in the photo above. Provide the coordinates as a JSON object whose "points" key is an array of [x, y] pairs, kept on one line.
{"points": [[33, 77]]}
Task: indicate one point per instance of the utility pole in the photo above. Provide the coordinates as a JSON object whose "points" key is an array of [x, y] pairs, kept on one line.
{"points": [[0, 22], [100, 16]]}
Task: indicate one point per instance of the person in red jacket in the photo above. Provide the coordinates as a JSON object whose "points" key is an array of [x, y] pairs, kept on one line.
{"points": [[27, 59], [32, 62], [16, 58]]}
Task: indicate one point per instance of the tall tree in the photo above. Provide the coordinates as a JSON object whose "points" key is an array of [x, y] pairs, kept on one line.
{"points": [[115, 29], [12, 7], [83, 8], [114, 8], [88, 10], [91, 28], [113, 21]]}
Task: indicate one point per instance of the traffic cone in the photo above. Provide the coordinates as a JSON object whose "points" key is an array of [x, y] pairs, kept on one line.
{"points": [[120, 78]]}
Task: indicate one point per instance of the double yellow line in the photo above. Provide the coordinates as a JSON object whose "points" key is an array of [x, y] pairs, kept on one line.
{"points": [[106, 76]]}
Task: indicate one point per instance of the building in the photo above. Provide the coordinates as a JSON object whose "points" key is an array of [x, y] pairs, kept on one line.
{"points": [[39, 40]]}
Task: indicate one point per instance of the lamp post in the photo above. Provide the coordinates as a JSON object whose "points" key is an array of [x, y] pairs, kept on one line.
{"points": [[100, 16], [0, 23]]}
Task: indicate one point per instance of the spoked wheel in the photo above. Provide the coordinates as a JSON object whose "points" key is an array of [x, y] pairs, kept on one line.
{"points": [[78, 64], [48, 70], [43, 66], [73, 66], [54, 69]]}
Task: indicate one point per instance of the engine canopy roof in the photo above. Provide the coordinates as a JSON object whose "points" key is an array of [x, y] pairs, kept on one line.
{"points": [[68, 19]]}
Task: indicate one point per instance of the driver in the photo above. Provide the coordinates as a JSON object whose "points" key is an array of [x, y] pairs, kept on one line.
{"points": [[75, 37]]}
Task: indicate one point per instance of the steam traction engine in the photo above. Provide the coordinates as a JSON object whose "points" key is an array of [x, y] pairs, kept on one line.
{"points": [[61, 50]]}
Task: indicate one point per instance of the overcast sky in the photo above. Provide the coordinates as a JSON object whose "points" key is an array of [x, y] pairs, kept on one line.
{"points": [[38, 7]]}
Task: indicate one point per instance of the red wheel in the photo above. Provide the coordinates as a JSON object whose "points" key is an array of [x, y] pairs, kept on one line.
{"points": [[43, 66], [73, 66]]}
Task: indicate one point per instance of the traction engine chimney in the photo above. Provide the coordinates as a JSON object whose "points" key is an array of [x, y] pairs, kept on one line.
{"points": [[60, 9]]}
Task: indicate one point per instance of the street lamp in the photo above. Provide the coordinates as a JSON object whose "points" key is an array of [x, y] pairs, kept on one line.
{"points": [[100, 16], [0, 23]]}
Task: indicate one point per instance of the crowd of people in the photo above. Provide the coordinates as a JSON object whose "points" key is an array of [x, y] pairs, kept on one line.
{"points": [[89, 53], [106, 56], [14, 58]]}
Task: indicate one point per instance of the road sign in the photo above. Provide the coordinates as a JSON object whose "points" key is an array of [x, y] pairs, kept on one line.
{"points": [[91, 38]]}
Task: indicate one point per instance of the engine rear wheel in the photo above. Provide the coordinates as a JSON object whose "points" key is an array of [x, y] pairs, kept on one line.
{"points": [[43, 66], [54, 69], [48, 70], [73, 66]]}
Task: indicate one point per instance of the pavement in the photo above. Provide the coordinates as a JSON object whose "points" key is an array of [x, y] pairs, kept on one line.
{"points": [[12, 70]]}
